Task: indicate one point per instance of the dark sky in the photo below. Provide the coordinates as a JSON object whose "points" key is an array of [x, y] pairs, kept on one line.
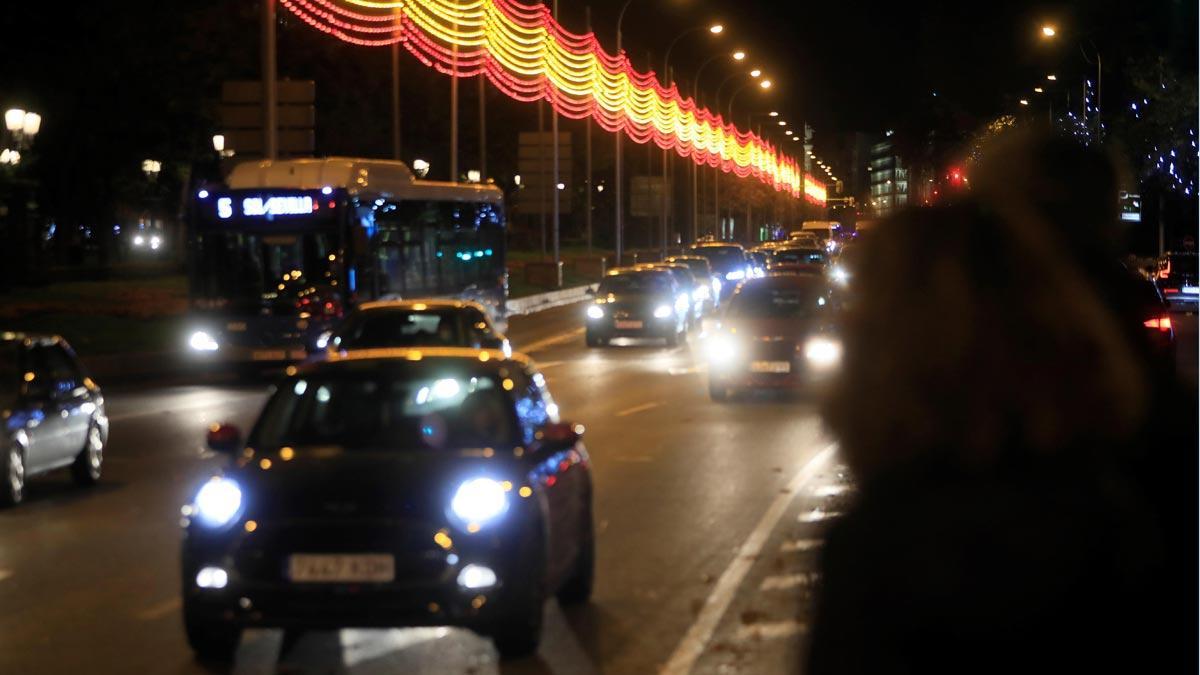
{"points": [[855, 65]]}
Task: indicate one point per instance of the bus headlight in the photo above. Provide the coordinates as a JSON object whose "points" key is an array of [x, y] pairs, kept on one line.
{"points": [[595, 312], [662, 312], [218, 502], [479, 500], [823, 352], [202, 342]]}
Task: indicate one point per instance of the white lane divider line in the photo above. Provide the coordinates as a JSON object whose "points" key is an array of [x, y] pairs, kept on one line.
{"points": [[553, 340], [637, 409], [770, 630], [694, 641], [800, 545], [5, 574], [162, 609], [784, 582]]}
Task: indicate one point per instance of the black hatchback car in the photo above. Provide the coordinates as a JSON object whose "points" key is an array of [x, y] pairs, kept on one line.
{"points": [[638, 302], [51, 414], [387, 488]]}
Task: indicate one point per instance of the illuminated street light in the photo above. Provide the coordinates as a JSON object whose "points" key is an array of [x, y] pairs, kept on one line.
{"points": [[1038, 90], [716, 29], [14, 119], [420, 167], [1048, 31], [782, 123], [773, 113], [765, 84], [739, 55], [755, 73], [31, 124], [151, 167], [1024, 101], [1052, 77], [218, 143], [788, 132]]}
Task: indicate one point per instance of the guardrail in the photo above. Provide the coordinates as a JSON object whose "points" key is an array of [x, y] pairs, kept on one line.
{"points": [[541, 301]]}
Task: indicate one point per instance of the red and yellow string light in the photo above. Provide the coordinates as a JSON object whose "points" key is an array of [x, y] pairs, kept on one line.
{"points": [[526, 54]]}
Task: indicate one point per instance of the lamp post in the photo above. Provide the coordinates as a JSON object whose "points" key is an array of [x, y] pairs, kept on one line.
{"points": [[763, 84], [22, 127], [713, 29], [618, 225], [738, 56], [1050, 32]]}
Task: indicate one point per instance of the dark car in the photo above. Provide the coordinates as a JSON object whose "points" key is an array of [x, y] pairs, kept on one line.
{"points": [[52, 414], [415, 323], [775, 333], [390, 488], [691, 286], [1177, 280], [702, 270], [727, 260], [637, 303], [798, 260], [1155, 315]]}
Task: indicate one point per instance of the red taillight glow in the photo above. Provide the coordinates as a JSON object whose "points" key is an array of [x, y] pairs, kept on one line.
{"points": [[1169, 291], [1162, 323]]}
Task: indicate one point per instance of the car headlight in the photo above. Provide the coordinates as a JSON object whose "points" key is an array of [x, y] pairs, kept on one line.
{"points": [[701, 293], [663, 311], [721, 348], [139, 240], [735, 275], [155, 242], [323, 339], [218, 502], [478, 501], [839, 275], [823, 352], [202, 342], [595, 312]]}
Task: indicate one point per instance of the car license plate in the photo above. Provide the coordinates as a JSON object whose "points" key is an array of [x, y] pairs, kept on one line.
{"points": [[269, 355], [770, 367], [1191, 290], [628, 325], [319, 568], [236, 326]]}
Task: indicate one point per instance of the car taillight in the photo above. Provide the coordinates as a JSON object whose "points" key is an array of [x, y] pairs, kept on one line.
{"points": [[1161, 323], [1169, 291]]}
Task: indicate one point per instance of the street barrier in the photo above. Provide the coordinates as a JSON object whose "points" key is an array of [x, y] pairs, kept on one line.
{"points": [[543, 301]]}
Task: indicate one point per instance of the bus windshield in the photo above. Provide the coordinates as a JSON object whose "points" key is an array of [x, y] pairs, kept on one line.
{"points": [[252, 272]]}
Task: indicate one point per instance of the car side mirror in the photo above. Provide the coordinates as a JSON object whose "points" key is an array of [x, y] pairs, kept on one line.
{"points": [[225, 438], [559, 434]]}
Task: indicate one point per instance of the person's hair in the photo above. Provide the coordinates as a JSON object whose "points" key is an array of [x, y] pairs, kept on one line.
{"points": [[975, 332]]}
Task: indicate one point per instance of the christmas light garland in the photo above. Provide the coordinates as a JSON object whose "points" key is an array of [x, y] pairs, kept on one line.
{"points": [[526, 54]]}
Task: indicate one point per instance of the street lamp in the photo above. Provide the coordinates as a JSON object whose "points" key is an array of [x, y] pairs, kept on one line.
{"points": [[1024, 101], [765, 84], [1052, 77], [151, 167], [1049, 31], [714, 29]]}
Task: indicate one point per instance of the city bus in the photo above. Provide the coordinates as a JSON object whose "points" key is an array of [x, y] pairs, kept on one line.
{"points": [[286, 248]]}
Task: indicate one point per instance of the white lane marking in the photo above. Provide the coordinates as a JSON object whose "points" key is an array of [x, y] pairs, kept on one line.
{"points": [[783, 582], [798, 545], [638, 408], [770, 630], [160, 610], [359, 646], [5, 574], [553, 340], [692, 645], [182, 409]]}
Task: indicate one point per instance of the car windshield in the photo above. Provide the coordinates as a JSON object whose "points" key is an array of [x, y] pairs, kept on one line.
{"points": [[699, 267], [402, 413], [759, 302], [796, 256], [638, 283], [402, 328], [722, 257]]}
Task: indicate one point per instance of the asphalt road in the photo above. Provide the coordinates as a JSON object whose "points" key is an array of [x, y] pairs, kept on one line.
{"points": [[708, 516]]}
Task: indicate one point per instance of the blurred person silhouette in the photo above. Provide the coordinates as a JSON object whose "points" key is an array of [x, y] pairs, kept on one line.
{"points": [[1025, 501]]}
